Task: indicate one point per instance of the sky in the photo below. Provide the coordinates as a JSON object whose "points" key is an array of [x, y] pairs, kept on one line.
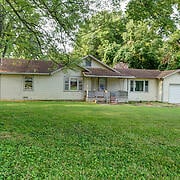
{"points": [[106, 5]]}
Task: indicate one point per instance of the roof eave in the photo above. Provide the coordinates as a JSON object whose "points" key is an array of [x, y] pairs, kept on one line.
{"points": [[177, 71], [24, 73], [126, 77]]}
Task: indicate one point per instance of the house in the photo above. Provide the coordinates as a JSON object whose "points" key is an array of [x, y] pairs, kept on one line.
{"points": [[91, 81]]}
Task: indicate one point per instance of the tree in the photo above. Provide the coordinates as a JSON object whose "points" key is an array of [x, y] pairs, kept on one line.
{"points": [[171, 52], [141, 46], [160, 14], [35, 28], [98, 33]]}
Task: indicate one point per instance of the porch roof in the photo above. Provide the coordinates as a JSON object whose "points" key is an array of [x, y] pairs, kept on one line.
{"points": [[100, 72]]}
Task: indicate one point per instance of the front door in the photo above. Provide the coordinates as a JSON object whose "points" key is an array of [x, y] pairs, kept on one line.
{"points": [[102, 84]]}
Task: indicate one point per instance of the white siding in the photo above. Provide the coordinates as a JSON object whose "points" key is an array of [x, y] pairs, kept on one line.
{"points": [[114, 84], [87, 84], [151, 95], [44, 87], [173, 79]]}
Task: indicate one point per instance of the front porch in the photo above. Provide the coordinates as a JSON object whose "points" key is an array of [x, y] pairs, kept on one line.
{"points": [[107, 96]]}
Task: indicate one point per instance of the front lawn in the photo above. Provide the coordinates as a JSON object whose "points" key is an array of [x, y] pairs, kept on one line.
{"points": [[72, 140]]}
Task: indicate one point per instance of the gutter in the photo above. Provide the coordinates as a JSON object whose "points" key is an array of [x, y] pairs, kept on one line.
{"points": [[23, 73], [128, 77]]}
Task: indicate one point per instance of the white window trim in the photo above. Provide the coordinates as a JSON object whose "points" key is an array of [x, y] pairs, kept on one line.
{"points": [[134, 86], [69, 83]]}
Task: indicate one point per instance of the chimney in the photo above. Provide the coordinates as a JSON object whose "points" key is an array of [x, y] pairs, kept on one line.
{"points": [[1, 61], [121, 65]]}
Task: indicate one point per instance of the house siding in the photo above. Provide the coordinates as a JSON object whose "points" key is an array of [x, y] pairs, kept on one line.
{"points": [[151, 95], [44, 87], [114, 84], [173, 79]]}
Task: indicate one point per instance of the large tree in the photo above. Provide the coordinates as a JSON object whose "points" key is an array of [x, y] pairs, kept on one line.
{"points": [[161, 14], [38, 28], [171, 52], [135, 37], [141, 48], [98, 33]]}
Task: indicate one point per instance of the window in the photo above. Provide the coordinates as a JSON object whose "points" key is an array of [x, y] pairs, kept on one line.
{"points": [[88, 62], [132, 86], [28, 83], [102, 84], [139, 86], [73, 84], [146, 86]]}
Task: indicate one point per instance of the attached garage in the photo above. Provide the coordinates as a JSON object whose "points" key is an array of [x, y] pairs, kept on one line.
{"points": [[174, 93]]}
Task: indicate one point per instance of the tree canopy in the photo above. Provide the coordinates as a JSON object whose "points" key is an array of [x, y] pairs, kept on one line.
{"points": [[38, 28], [145, 36]]}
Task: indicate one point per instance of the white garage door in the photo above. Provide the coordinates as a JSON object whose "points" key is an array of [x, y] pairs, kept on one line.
{"points": [[174, 93]]}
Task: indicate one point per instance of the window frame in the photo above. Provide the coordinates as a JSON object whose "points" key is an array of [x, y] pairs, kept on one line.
{"points": [[88, 63], [68, 83], [25, 80], [133, 86]]}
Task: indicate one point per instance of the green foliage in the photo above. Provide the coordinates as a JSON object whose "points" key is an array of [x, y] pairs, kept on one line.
{"points": [[30, 29], [171, 52], [98, 33], [69, 140], [141, 46], [157, 13], [136, 37]]}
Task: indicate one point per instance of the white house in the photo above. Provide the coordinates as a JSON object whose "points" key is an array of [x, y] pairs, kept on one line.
{"points": [[91, 81]]}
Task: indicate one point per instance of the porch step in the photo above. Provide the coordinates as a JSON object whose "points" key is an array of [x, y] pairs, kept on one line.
{"points": [[113, 100]]}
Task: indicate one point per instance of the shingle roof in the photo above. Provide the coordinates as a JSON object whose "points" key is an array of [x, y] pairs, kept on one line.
{"points": [[100, 72], [165, 73], [27, 66], [21, 66], [145, 73]]}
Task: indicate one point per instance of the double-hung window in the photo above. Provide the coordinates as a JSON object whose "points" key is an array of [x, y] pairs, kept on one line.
{"points": [[73, 84], [28, 83], [139, 86]]}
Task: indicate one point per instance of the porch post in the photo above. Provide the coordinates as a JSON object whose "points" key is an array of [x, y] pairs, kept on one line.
{"points": [[87, 91]]}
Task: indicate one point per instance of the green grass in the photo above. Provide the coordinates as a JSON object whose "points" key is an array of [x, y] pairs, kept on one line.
{"points": [[72, 140]]}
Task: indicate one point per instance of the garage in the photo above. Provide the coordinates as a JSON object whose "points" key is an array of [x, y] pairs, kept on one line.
{"points": [[174, 93]]}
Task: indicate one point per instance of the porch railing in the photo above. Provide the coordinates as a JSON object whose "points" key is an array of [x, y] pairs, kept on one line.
{"points": [[107, 96]]}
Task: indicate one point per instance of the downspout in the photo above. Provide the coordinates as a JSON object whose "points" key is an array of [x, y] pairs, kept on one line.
{"points": [[162, 89], [0, 86], [127, 89], [87, 91]]}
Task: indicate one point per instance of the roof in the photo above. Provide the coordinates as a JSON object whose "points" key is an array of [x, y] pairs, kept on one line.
{"points": [[100, 72], [22, 66], [164, 74], [146, 73], [100, 62]]}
